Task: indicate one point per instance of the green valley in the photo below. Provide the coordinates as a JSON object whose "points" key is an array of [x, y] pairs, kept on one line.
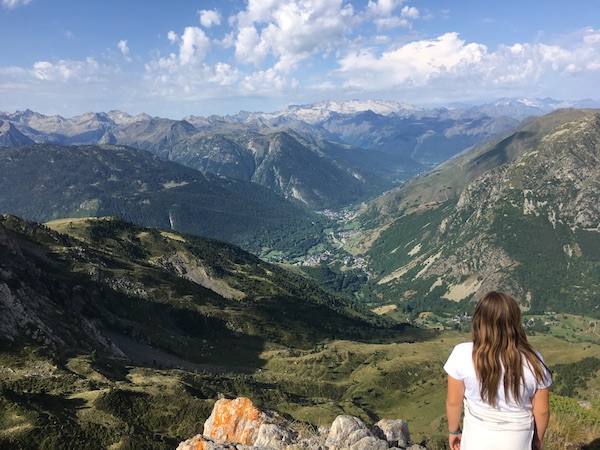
{"points": [[121, 336]]}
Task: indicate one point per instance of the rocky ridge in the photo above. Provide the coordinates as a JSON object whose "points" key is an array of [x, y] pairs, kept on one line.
{"points": [[528, 225], [237, 424]]}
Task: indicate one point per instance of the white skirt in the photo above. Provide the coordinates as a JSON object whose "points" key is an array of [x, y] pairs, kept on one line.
{"points": [[490, 429]]}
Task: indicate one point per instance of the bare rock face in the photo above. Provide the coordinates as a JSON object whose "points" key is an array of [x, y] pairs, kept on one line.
{"points": [[239, 425], [190, 268], [35, 309]]}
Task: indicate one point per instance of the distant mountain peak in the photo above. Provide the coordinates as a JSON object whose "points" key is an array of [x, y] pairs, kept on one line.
{"points": [[315, 112], [123, 118], [10, 136]]}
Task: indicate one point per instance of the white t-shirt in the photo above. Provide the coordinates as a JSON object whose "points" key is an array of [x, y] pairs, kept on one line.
{"points": [[460, 366]]}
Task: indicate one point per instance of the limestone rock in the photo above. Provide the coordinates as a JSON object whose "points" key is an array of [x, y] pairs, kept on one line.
{"points": [[368, 443], [274, 436], [239, 425], [395, 432], [345, 431], [200, 442], [237, 420]]}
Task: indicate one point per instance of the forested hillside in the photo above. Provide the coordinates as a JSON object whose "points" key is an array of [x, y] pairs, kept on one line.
{"points": [[45, 182]]}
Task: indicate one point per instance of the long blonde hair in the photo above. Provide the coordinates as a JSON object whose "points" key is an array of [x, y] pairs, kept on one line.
{"points": [[500, 347]]}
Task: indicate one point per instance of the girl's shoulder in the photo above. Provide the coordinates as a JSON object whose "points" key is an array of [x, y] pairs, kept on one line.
{"points": [[464, 347], [460, 360], [462, 350]]}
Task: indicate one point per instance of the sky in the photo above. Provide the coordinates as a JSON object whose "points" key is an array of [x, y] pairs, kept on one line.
{"points": [[178, 58]]}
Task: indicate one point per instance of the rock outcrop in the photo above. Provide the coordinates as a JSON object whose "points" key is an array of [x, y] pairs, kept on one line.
{"points": [[239, 425]]}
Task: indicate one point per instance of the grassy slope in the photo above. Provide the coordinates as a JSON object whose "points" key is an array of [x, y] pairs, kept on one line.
{"points": [[106, 401]]}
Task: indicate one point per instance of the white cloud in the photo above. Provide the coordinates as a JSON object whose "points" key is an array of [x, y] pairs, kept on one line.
{"points": [[12, 70], [227, 41], [172, 37], [224, 75], [267, 82], [257, 11], [291, 30], [384, 23], [194, 46], [11, 4], [123, 47], [410, 12], [173, 82], [383, 7], [384, 17], [448, 62], [415, 62], [66, 70], [248, 46], [208, 18], [592, 37]]}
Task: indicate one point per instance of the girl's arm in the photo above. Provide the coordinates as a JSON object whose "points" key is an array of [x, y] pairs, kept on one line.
{"points": [[454, 402], [541, 413]]}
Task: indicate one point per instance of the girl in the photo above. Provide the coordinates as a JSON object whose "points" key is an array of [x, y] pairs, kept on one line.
{"points": [[501, 381]]}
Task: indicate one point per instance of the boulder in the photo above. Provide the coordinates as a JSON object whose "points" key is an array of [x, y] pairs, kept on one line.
{"points": [[367, 443], [200, 442], [274, 436], [238, 420], [395, 432], [345, 431]]}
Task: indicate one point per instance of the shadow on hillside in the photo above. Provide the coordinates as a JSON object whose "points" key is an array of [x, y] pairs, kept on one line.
{"points": [[505, 151], [594, 445], [171, 338], [146, 355], [48, 406], [162, 336]]}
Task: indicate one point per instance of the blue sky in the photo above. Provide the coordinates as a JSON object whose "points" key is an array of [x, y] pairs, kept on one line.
{"points": [[203, 57]]}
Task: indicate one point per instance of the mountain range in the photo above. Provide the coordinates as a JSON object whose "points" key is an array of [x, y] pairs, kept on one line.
{"points": [[521, 213], [325, 155], [258, 170]]}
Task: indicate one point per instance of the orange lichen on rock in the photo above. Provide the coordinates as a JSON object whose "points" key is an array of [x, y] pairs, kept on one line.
{"points": [[201, 445], [236, 420]]}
